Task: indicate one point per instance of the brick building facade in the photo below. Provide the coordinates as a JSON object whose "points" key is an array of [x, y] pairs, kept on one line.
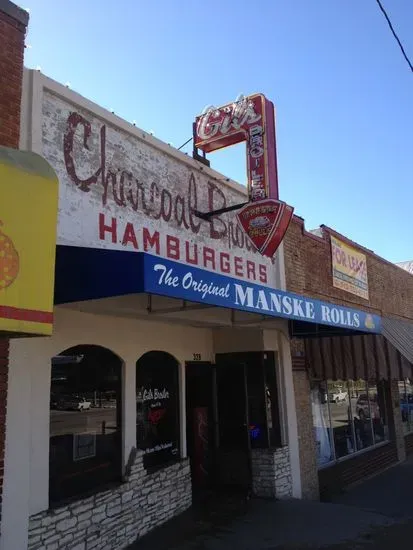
{"points": [[38, 511], [308, 267], [308, 272], [13, 24]]}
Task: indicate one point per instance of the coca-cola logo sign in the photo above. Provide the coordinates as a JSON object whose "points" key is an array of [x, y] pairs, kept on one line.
{"points": [[250, 119]]}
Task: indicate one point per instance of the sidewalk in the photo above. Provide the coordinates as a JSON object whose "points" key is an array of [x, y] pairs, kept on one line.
{"points": [[377, 514]]}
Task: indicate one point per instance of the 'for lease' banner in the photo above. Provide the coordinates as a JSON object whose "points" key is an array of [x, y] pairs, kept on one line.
{"points": [[349, 269]]}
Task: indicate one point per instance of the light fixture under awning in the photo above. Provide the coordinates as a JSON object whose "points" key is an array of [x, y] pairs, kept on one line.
{"points": [[400, 334]]}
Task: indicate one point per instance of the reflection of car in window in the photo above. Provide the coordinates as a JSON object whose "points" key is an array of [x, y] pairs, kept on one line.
{"points": [[73, 403], [362, 407], [338, 395]]}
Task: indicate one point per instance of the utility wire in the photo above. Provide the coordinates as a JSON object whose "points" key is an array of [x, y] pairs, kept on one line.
{"points": [[395, 35]]}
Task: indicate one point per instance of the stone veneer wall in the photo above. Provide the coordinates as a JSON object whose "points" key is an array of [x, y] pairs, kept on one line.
{"points": [[271, 473], [113, 519]]}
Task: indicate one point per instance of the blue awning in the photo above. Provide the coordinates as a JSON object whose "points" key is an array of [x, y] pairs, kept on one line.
{"points": [[88, 274]]}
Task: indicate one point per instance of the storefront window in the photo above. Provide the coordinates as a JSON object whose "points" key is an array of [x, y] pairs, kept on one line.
{"points": [[321, 421], [406, 404], [340, 418], [85, 422], [157, 408], [361, 412], [348, 416], [377, 400]]}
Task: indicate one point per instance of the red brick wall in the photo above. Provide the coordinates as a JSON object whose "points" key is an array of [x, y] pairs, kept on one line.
{"points": [[13, 23], [12, 33], [308, 272], [306, 441]]}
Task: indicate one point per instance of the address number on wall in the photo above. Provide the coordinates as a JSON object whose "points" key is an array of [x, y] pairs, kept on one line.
{"points": [[197, 357]]}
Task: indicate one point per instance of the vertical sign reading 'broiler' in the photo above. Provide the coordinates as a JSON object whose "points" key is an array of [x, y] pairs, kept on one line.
{"points": [[251, 119], [28, 220]]}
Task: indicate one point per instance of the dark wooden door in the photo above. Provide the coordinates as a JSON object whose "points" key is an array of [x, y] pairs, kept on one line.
{"points": [[200, 423], [233, 458]]}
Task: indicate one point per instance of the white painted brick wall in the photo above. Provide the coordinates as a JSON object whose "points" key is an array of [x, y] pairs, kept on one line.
{"points": [[139, 184]]}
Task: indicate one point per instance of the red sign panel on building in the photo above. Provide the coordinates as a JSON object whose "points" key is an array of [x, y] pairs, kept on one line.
{"points": [[251, 119]]}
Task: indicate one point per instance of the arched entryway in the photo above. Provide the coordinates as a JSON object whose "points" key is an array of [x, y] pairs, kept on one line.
{"points": [[85, 421]]}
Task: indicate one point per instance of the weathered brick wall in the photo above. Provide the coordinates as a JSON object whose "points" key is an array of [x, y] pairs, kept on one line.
{"points": [[306, 440], [13, 22], [395, 423], [308, 272], [306, 443]]}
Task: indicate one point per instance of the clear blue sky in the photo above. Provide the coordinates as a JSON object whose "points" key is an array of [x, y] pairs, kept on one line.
{"points": [[342, 90]]}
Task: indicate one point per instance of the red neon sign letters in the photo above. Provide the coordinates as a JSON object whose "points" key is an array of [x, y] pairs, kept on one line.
{"points": [[251, 119]]}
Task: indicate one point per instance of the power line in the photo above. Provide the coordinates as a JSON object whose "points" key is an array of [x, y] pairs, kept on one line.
{"points": [[395, 34]]}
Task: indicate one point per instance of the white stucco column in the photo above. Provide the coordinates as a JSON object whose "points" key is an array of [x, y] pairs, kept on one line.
{"points": [[128, 407], [278, 340], [182, 409], [16, 488]]}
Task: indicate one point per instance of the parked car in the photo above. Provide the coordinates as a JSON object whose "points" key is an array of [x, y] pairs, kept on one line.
{"points": [[73, 403], [363, 410], [338, 395]]}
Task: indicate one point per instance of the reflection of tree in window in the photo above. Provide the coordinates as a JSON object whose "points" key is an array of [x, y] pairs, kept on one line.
{"points": [[85, 423]]}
